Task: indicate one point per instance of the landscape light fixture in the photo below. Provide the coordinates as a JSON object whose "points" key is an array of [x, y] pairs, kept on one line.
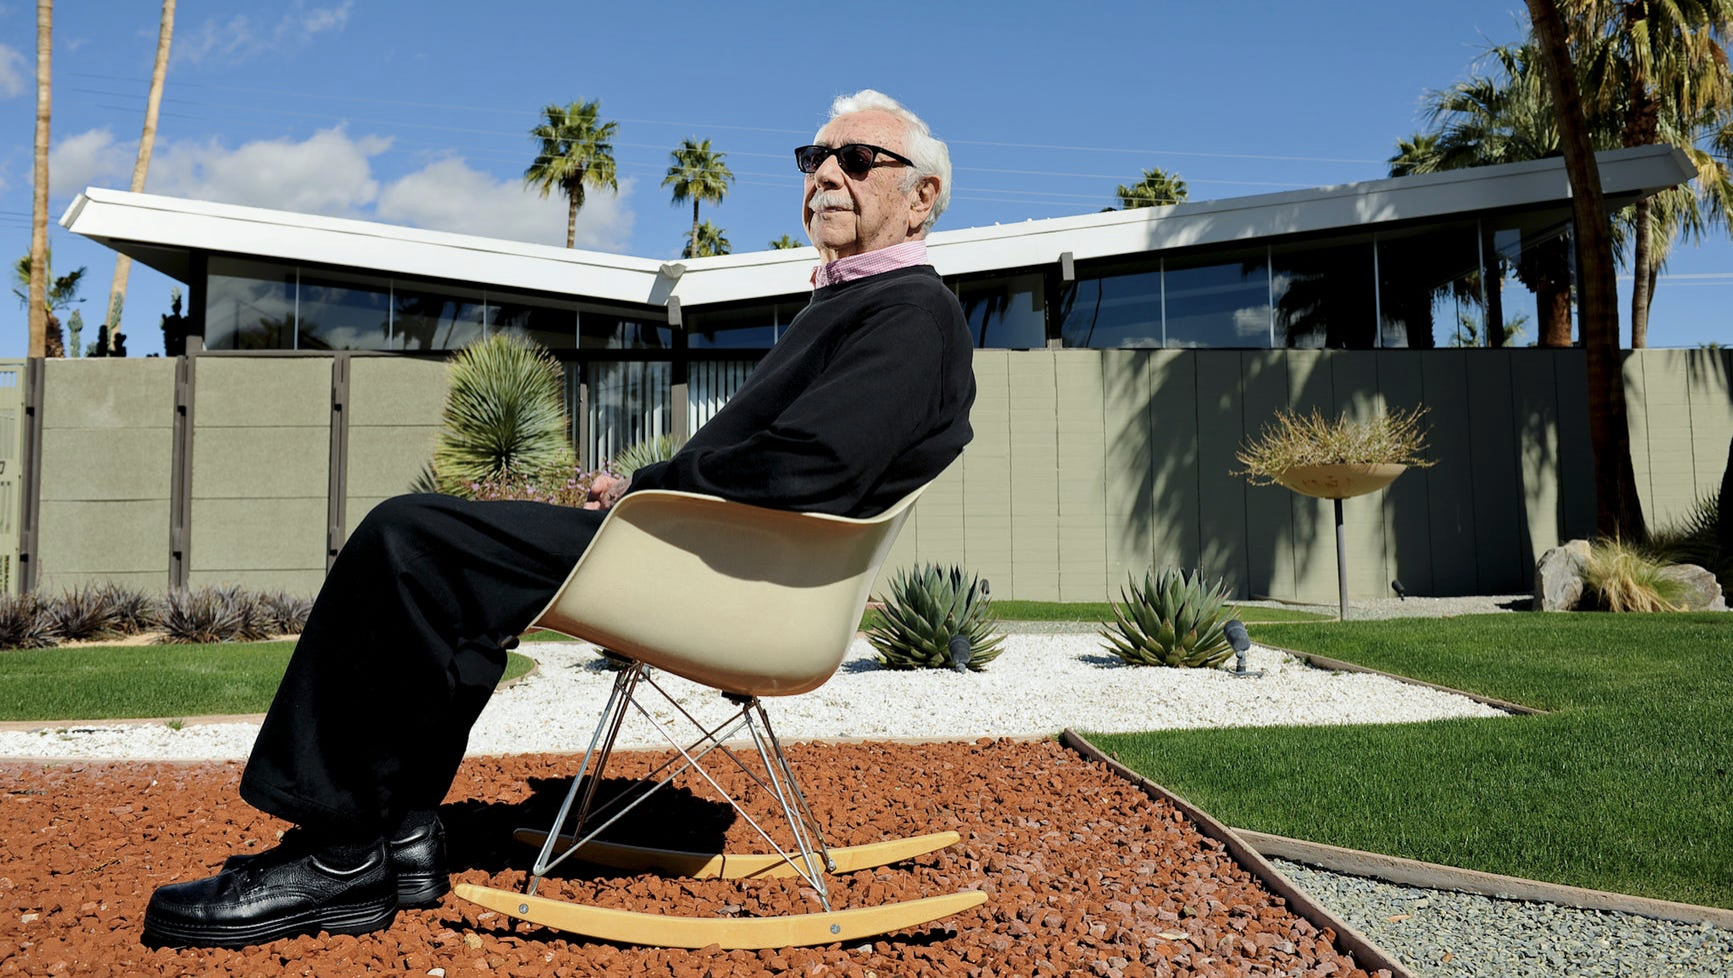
{"points": [[1235, 630]]}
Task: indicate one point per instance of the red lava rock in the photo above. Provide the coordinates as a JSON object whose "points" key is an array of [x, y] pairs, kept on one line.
{"points": [[1086, 874]]}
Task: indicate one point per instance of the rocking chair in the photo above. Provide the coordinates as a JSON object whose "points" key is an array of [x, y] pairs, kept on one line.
{"points": [[753, 602]]}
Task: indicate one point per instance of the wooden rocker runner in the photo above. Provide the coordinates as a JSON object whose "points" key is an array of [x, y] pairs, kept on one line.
{"points": [[752, 602]]}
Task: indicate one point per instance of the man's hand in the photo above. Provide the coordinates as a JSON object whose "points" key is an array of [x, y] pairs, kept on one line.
{"points": [[606, 490]]}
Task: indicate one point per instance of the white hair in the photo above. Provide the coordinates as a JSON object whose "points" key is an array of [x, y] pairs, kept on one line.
{"points": [[930, 155]]}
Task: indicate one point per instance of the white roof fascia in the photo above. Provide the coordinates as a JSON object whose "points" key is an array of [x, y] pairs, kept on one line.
{"points": [[114, 216], [118, 216]]}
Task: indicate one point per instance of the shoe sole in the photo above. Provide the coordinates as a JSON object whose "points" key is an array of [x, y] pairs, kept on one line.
{"points": [[418, 890], [355, 918]]}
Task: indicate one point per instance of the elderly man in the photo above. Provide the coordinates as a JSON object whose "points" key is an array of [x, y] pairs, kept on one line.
{"points": [[865, 399]]}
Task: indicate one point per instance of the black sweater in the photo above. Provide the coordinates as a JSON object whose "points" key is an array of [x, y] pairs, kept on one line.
{"points": [[865, 399]]}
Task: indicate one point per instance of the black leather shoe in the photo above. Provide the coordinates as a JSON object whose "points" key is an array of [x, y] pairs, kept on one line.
{"points": [[288, 891], [417, 857]]}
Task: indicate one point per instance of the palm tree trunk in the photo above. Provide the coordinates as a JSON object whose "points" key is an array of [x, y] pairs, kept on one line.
{"points": [[1618, 509], [39, 212], [1642, 282], [146, 142], [694, 227], [574, 194], [1552, 306]]}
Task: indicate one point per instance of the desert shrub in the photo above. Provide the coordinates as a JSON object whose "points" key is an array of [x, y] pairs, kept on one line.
{"points": [[1292, 439], [1173, 619], [928, 606], [658, 449], [213, 614], [24, 622], [505, 415], [82, 613], [284, 613], [1627, 578], [569, 489]]}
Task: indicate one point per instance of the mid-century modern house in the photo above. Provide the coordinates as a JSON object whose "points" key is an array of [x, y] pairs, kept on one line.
{"points": [[1121, 359]]}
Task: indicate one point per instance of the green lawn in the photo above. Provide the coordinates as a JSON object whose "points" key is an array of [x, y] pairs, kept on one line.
{"points": [[1624, 786], [105, 682]]}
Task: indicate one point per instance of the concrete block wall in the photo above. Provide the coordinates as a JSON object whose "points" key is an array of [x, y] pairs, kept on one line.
{"points": [[106, 466], [261, 471], [1087, 466]]}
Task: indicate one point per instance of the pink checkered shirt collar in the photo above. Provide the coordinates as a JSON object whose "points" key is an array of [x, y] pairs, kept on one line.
{"points": [[905, 255]]}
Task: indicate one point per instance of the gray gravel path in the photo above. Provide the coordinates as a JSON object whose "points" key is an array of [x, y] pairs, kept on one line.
{"points": [[1445, 934]]}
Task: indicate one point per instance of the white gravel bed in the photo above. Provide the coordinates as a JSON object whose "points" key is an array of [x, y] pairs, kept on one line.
{"points": [[1039, 685]]}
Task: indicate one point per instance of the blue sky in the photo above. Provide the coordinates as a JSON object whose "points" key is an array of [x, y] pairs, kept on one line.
{"points": [[418, 113]]}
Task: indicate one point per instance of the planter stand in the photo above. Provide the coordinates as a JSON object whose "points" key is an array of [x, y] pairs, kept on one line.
{"points": [[1336, 483]]}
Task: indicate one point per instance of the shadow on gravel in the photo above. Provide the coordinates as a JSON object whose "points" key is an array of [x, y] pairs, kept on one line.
{"points": [[479, 833]]}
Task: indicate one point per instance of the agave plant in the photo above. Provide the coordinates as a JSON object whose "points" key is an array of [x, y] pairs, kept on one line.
{"points": [[928, 607], [505, 414], [213, 614], [134, 610], [1174, 619], [284, 613]]}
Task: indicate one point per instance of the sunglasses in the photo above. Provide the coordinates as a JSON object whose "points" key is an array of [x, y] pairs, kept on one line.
{"points": [[856, 159]]}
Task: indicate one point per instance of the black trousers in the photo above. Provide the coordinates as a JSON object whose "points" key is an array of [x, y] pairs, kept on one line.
{"points": [[405, 643]]}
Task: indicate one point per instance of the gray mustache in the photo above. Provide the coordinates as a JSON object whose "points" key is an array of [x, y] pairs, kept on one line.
{"points": [[829, 198]]}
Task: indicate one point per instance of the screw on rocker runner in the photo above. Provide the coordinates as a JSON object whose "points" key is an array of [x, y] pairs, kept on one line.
{"points": [[734, 567]]}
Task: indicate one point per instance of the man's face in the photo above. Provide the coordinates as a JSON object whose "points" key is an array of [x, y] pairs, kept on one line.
{"points": [[847, 215]]}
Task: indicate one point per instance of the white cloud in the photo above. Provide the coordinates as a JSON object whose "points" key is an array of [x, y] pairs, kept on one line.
{"points": [[1252, 321], [329, 173], [450, 196], [13, 73], [90, 159], [241, 37]]}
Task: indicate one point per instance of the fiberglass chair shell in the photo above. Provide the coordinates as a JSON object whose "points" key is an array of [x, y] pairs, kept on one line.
{"points": [[753, 602]]}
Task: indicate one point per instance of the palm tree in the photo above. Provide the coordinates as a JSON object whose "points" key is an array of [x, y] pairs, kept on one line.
{"points": [[57, 294], [1504, 113], [36, 299], [784, 243], [575, 150], [1618, 509], [706, 240], [146, 142], [1662, 69], [697, 174], [1157, 189]]}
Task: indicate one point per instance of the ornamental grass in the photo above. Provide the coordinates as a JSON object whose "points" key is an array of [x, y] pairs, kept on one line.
{"points": [[1291, 440]]}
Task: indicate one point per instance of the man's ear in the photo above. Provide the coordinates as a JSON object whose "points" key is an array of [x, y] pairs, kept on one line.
{"points": [[921, 200]]}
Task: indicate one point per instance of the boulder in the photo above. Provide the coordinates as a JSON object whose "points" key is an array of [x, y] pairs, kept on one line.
{"points": [[1558, 577], [1701, 591]]}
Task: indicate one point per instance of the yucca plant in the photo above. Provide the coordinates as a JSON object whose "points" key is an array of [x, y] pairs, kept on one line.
{"points": [[213, 614], [284, 613], [24, 622], [928, 606], [1695, 538], [505, 414], [658, 449], [1174, 619], [83, 612], [134, 610]]}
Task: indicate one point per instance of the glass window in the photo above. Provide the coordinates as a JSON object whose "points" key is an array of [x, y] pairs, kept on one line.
{"points": [[1112, 310], [755, 327], [342, 312], [249, 305], [628, 403], [424, 319], [551, 323], [610, 331], [1007, 312], [1324, 297], [1429, 289], [1535, 254], [1223, 303]]}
